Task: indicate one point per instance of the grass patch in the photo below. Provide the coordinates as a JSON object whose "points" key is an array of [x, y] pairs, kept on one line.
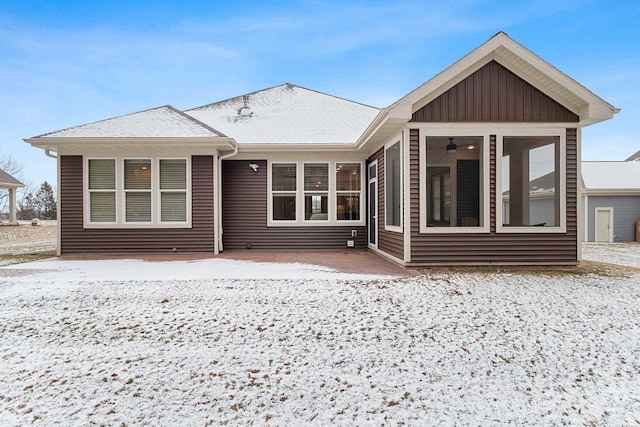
{"points": [[10, 259], [584, 268]]}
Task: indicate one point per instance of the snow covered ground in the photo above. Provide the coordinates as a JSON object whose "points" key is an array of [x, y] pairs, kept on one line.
{"points": [[214, 342]]}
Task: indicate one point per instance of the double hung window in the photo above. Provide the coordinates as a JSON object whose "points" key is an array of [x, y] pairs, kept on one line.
{"points": [[137, 192], [309, 193]]}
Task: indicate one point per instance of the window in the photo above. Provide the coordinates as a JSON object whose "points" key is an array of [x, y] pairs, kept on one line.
{"points": [[173, 190], [531, 181], [455, 181], [137, 187], [102, 190], [308, 193], [137, 192], [283, 186], [348, 191], [392, 176], [316, 192]]}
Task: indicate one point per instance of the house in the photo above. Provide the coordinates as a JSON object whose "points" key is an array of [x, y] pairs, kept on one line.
{"points": [[611, 200], [418, 182], [7, 182]]}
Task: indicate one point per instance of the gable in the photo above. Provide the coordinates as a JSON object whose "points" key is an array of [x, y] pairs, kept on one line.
{"points": [[493, 94]]}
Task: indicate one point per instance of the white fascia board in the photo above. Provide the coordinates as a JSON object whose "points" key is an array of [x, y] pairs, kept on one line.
{"points": [[294, 147], [56, 144], [611, 192]]}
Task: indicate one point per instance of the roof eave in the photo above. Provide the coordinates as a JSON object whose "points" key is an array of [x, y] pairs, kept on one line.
{"points": [[55, 143]]}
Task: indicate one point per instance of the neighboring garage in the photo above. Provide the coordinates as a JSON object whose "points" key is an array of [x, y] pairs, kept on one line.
{"points": [[611, 200]]}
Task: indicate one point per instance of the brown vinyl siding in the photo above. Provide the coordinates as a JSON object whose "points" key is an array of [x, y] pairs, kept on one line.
{"points": [[77, 240], [244, 221], [495, 248], [493, 94], [389, 242]]}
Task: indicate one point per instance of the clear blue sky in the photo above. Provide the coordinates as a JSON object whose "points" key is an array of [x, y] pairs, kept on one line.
{"points": [[65, 63]]}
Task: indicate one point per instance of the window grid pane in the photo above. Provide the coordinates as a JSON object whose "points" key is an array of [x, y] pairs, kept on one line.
{"points": [[137, 174], [138, 206], [316, 207], [284, 207], [348, 177], [348, 206], [173, 174], [283, 177], [173, 206], [102, 206], [102, 174], [316, 177]]}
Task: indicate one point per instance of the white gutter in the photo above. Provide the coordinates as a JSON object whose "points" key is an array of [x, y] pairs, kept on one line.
{"points": [[47, 153], [217, 206]]}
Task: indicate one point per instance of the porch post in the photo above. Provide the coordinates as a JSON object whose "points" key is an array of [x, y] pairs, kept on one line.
{"points": [[519, 187], [12, 206]]}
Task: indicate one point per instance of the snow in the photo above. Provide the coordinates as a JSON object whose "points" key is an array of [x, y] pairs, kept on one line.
{"points": [[288, 114], [229, 342], [161, 122], [611, 175]]}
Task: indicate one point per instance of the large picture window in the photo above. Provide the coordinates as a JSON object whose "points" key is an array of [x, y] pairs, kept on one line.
{"points": [[137, 192], [392, 178], [531, 181], [455, 181], [315, 193]]}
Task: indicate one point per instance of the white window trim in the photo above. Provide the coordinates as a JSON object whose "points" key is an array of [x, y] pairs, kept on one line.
{"points": [[159, 191], [330, 207], [486, 196], [362, 193], [299, 193], [87, 192], [397, 140], [532, 131], [120, 195]]}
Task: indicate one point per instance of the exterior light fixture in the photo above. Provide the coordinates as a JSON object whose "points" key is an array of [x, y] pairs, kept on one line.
{"points": [[451, 147], [254, 167]]}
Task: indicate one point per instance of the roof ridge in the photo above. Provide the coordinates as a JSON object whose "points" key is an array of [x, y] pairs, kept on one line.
{"points": [[196, 121], [277, 86]]}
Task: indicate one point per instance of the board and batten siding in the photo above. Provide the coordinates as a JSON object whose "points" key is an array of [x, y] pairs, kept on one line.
{"points": [[494, 94], [244, 220], [492, 247], [77, 240], [390, 242]]}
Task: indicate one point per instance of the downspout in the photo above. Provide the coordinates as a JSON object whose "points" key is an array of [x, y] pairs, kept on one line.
{"points": [[47, 152], [218, 203]]}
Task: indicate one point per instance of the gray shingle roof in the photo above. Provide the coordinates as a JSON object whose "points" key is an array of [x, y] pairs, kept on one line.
{"points": [[288, 114], [161, 122], [7, 181]]}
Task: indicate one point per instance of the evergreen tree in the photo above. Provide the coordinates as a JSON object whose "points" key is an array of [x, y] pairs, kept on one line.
{"points": [[46, 201]]}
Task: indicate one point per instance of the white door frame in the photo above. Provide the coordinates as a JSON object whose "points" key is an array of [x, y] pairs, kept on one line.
{"points": [[376, 223], [597, 223]]}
